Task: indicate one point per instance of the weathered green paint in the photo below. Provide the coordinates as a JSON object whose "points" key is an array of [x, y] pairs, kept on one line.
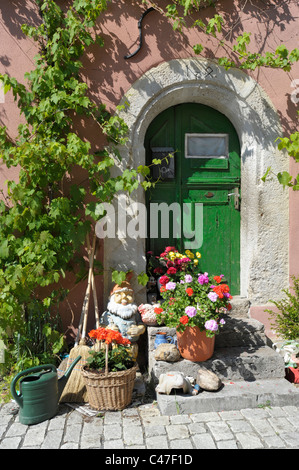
{"points": [[206, 181]]}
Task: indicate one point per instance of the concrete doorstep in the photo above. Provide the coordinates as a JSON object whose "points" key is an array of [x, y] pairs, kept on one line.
{"points": [[232, 396]]}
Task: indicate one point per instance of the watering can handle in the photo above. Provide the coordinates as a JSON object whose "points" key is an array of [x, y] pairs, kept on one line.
{"points": [[26, 372]]}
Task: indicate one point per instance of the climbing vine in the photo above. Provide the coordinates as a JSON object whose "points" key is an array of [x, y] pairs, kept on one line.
{"points": [[46, 217], [239, 56]]}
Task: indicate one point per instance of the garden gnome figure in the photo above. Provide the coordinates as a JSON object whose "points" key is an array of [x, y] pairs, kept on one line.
{"points": [[123, 313]]}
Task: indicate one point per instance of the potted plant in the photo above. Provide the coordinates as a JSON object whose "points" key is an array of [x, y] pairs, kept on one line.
{"points": [[286, 323], [110, 371], [194, 303]]}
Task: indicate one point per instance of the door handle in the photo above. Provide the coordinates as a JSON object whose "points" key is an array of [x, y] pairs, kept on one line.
{"points": [[237, 198]]}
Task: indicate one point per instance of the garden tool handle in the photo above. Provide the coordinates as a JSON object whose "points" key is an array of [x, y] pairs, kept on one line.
{"points": [[83, 317], [26, 372], [89, 282]]}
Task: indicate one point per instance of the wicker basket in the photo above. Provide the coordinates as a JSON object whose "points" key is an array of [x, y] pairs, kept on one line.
{"points": [[109, 392]]}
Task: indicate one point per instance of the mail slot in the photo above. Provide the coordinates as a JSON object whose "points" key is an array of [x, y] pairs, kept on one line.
{"points": [[165, 169]]}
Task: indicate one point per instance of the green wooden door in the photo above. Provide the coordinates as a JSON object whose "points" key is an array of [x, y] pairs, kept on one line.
{"points": [[203, 179]]}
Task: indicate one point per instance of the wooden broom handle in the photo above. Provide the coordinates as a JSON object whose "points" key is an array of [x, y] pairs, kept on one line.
{"points": [[87, 295]]}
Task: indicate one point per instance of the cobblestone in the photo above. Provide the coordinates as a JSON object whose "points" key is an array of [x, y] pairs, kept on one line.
{"points": [[144, 427]]}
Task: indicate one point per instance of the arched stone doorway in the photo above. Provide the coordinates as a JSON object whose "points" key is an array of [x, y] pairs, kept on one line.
{"points": [[263, 254]]}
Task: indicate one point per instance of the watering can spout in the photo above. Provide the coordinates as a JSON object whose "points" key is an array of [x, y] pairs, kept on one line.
{"points": [[63, 380]]}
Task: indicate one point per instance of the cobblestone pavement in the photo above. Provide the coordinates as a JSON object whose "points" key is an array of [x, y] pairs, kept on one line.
{"points": [[143, 427]]}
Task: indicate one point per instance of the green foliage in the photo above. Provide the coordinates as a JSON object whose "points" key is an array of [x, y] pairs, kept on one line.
{"points": [[38, 340], [286, 321], [44, 218], [143, 279], [118, 276], [240, 57], [119, 358]]}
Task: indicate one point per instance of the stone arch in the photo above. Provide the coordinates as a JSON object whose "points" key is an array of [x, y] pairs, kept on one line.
{"points": [[264, 206]]}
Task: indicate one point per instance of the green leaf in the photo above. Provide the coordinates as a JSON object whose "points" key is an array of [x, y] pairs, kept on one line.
{"points": [[4, 249], [198, 48], [266, 174], [142, 278], [118, 277], [284, 178]]}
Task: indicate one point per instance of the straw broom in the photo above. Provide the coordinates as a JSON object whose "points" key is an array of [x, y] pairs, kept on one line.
{"points": [[75, 390]]}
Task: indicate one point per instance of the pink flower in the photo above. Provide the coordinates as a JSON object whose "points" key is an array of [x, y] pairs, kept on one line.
{"points": [[213, 296], [211, 325], [203, 278], [170, 286], [190, 311]]}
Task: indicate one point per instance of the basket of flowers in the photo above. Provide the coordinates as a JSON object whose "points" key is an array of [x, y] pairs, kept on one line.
{"points": [[110, 372]]}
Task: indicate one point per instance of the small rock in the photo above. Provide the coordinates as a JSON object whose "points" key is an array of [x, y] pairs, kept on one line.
{"points": [[167, 352], [208, 380]]}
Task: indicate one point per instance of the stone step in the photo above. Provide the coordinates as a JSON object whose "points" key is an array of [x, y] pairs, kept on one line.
{"points": [[241, 332], [232, 396], [240, 306], [236, 363]]}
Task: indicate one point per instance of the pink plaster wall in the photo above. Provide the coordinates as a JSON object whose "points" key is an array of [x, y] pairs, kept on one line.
{"points": [[109, 75]]}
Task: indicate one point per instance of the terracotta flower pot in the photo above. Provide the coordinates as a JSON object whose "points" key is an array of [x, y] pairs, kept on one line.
{"points": [[194, 345]]}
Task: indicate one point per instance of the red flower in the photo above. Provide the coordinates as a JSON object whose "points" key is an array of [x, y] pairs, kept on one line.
{"points": [[189, 291], [217, 279], [163, 280], [158, 310], [184, 319], [229, 307], [158, 270], [109, 336], [221, 289], [171, 270]]}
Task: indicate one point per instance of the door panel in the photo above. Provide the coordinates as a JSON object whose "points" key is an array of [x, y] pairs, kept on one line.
{"points": [[206, 181]]}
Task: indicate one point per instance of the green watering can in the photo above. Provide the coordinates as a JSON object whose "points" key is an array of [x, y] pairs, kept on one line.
{"points": [[39, 392]]}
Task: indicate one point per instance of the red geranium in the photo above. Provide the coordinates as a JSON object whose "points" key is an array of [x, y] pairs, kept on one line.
{"points": [[158, 270], [184, 319], [171, 270], [163, 280], [189, 291], [170, 248], [158, 310], [109, 336], [221, 289]]}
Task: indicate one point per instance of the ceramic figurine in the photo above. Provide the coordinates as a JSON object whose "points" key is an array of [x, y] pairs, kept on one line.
{"points": [[176, 380], [123, 313]]}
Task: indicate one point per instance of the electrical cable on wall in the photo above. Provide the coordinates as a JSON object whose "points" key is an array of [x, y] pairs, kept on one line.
{"points": [[129, 56]]}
